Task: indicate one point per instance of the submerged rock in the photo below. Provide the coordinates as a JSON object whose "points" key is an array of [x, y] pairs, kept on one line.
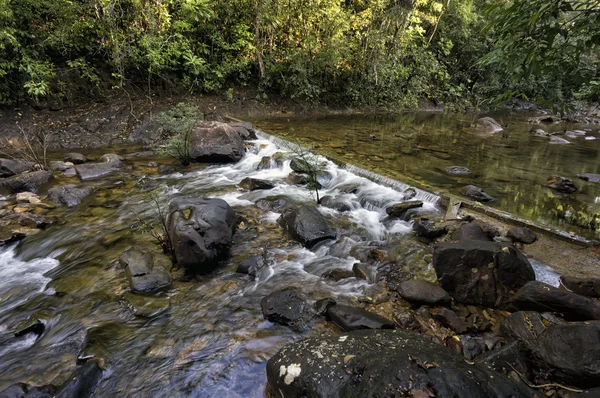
{"points": [[11, 167], [399, 209], [27, 182], [337, 274], [75, 158], [427, 229], [589, 287], [110, 162], [276, 204], [300, 166], [481, 273], [83, 382], [589, 177], [353, 318], [476, 193], [22, 390], [253, 184], [287, 307], [381, 363], [201, 232], [335, 203], [68, 195], [487, 124], [561, 185], [306, 225], [523, 235], [419, 291], [558, 141], [147, 272], [458, 170], [251, 265], [213, 141]]}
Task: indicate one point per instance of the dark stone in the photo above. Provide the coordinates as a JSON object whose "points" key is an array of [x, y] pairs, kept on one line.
{"points": [[83, 382], [212, 141], [200, 231], [27, 182], [488, 228], [382, 363], [337, 274], [300, 166], [36, 327], [75, 158], [32, 221], [18, 390], [277, 204], [470, 231], [353, 318], [299, 179], [422, 292], [481, 273], [506, 358], [68, 195], [487, 124], [426, 229], [537, 296], [348, 188], [337, 204], [589, 287], [399, 209], [476, 193], [252, 184], [166, 169], [561, 185], [306, 225], [11, 167], [589, 177], [321, 306], [249, 127], [287, 307], [147, 272], [265, 163], [458, 170], [48, 391], [449, 319], [251, 265], [57, 165], [472, 347], [108, 163], [363, 271], [523, 235]]}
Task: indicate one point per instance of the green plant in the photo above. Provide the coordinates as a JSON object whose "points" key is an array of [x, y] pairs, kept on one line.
{"points": [[178, 124], [156, 226], [308, 163]]}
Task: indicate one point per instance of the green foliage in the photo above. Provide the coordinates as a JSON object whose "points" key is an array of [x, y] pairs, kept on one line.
{"points": [[178, 124]]}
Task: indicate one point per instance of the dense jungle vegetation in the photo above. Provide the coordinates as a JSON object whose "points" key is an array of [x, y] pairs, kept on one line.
{"points": [[461, 53]]}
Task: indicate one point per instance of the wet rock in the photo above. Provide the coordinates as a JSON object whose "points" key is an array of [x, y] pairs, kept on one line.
{"points": [[506, 358], [68, 195], [109, 163], [476, 193], [399, 209], [287, 307], [449, 319], [538, 296], [481, 273], [277, 204], [363, 271], [419, 291], [334, 203], [540, 133], [34, 326], [152, 164], [28, 197], [300, 166], [487, 124], [298, 179], [75, 158], [489, 229], [27, 182], [381, 363], [265, 163], [22, 390], [472, 347], [251, 265], [348, 188], [589, 177], [558, 141], [112, 158], [57, 165], [427, 229], [470, 231], [321, 306], [337, 274], [523, 235], [12, 167], [246, 130], [146, 306], [353, 318], [166, 169], [253, 184], [306, 225], [200, 231], [561, 185], [33, 221], [146, 272], [213, 141], [589, 287], [458, 170], [83, 382]]}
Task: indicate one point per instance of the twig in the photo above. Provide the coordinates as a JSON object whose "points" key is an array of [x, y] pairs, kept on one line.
{"points": [[542, 385]]}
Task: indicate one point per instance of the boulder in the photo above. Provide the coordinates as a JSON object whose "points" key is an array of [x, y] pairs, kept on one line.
{"points": [[300, 166], [589, 177], [112, 158], [146, 272], [253, 184], [68, 195], [458, 170], [22, 390], [382, 363], [299, 179], [11, 167], [540, 133], [538, 296], [337, 274], [449, 319], [108, 163], [481, 273], [75, 158], [589, 287], [487, 124], [212, 141], [287, 307], [419, 291], [246, 130], [83, 382], [523, 235], [470, 231], [427, 229], [306, 225], [251, 265], [58, 165], [558, 141], [399, 209], [276, 204], [476, 193], [561, 185], [27, 182], [353, 318], [200, 231], [364, 271], [335, 203]]}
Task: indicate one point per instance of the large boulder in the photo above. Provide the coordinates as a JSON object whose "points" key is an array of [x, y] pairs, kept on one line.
{"points": [[306, 225], [538, 296], [481, 273], [212, 141], [420, 291], [27, 182], [146, 272], [381, 363], [200, 231], [476, 193], [488, 125], [287, 307], [350, 318], [589, 287], [11, 167], [68, 195], [108, 163]]}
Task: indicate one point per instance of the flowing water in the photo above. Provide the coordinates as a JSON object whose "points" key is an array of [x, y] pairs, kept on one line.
{"points": [[511, 165], [204, 337]]}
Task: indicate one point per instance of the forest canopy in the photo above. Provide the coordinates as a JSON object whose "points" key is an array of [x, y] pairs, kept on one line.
{"points": [[361, 52]]}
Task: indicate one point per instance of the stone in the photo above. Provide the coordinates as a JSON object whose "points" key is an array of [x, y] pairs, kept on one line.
{"points": [[146, 272], [75, 158], [540, 133], [166, 169], [298, 179], [489, 229], [22, 390], [250, 130], [27, 182], [350, 318], [277, 204], [382, 363], [423, 292], [200, 231], [337, 274], [26, 197], [470, 231], [558, 141], [112, 158], [336, 204], [57, 165], [481, 273], [83, 382], [589, 177], [34, 221], [476, 193], [33, 326], [449, 319], [252, 184], [561, 185], [458, 170], [487, 124], [109, 163], [399, 209], [251, 265], [12, 167], [287, 307], [69, 195], [306, 225], [589, 287], [538, 296], [364, 271], [523, 235], [215, 142], [427, 229], [321, 306], [300, 166]]}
